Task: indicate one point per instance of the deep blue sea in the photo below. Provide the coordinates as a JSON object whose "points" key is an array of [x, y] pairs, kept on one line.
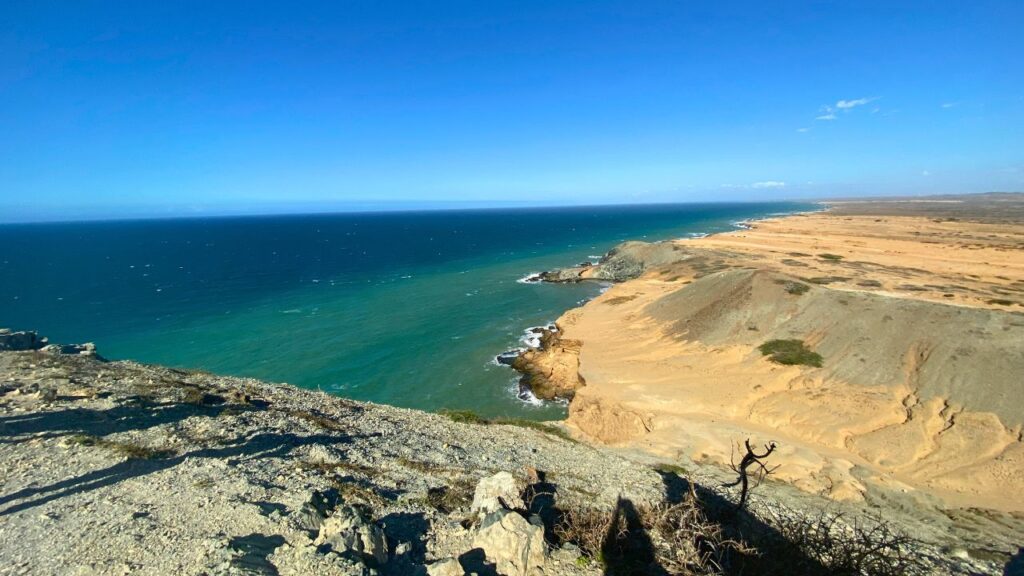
{"points": [[403, 308]]}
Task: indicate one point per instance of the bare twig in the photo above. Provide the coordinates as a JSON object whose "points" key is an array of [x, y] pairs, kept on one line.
{"points": [[751, 458]]}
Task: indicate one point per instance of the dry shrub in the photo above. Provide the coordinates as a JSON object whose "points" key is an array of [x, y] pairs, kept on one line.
{"points": [[681, 539], [858, 546], [686, 542], [586, 528], [656, 539]]}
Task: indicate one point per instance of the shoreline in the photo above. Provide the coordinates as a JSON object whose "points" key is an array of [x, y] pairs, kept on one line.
{"points": [[509, 358]]}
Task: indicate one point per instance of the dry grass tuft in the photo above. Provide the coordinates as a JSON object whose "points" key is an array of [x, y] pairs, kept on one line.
{"points": [[130, 451]]}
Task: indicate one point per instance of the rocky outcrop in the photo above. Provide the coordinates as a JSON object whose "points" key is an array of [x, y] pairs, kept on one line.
{"points": [[348, 531], [550, 371], [497, 492], [29, 340], [513, 544], [16, 341], [626, 261]]}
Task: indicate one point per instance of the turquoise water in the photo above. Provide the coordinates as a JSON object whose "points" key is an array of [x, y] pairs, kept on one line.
{"points": [[401, 308]]}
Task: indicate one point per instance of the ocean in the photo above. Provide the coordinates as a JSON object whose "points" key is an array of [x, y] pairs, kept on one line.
{"points": [[403, 308]]}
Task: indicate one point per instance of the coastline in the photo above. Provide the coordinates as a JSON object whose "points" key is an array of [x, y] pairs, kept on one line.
{"points": [[665, 361], [532, 380]]}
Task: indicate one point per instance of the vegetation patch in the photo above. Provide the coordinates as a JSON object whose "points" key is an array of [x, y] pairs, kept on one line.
{"points": [[130, 451], [318, 420], [823, 280], [470, 417], [790, 353], [794, 288], [870, 283], [831, 257], [667, 468], [447, 499], [1001, 302], [464, 416], [693, 538], [354, 492], [620, 300]]}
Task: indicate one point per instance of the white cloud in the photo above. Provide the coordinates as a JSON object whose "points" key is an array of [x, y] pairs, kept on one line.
{"points": [[829, 112], [849, 104], [803, 129], [925, 173], [950, 104], [768, 184]]}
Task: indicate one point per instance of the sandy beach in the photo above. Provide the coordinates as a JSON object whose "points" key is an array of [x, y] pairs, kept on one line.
{"points": [[916, 309]]}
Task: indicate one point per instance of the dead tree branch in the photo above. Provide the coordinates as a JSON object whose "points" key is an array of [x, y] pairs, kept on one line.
{"points": [[760, 472]]}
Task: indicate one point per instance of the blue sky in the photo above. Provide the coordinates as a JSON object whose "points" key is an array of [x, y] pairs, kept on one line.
{"points": [[138, 107]]}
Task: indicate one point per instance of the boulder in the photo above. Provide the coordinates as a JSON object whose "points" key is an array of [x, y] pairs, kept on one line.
{"points": [[314, 511], [446, 567], [515, 546], [350, 532], [497, 492]]}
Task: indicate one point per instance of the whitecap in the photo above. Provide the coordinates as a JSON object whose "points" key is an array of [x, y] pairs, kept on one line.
{"points": [[528, 397], [531, 278]]}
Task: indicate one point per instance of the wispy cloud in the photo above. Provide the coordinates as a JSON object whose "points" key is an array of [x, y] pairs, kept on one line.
{"points": [[768, 184], [925, 173], [851, 104], [758, 185], [803, 129], [827, 113], [950, 104]]}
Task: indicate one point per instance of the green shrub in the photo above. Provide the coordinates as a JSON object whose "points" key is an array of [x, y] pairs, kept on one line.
{"points": [[464, 416], [469, 417], [794, 288], [790, 352]]}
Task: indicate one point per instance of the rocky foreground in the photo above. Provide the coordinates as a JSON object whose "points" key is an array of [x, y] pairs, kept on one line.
{"points": [[118, 468]]}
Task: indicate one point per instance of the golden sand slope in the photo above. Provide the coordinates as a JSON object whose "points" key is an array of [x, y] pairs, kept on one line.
{"points": [[914, 394]]}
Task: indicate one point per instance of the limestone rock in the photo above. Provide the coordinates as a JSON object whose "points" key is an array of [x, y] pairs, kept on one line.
{"points": [[291, 560], [314, 511], [514, 545], [15, 341], [497, 492], [446, 567], [87, 349], [349, 531]]}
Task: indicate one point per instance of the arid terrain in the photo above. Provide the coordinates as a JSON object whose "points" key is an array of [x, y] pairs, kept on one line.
{"points": [[910, 317]]}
